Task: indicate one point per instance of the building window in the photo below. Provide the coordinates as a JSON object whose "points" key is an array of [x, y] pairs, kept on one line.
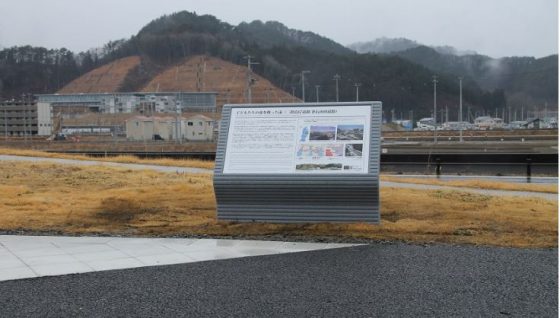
{"points": [[190, 123], [200, 123]]}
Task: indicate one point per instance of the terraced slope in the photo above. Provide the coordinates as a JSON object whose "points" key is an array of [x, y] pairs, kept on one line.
{"points": [[105, 79], [208, 74]]}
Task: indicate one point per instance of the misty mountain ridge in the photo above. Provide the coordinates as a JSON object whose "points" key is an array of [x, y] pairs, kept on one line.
{"points": [[386, 45], [402, 81]]}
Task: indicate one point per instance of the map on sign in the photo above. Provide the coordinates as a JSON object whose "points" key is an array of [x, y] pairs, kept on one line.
{"points": [[301, 139]]}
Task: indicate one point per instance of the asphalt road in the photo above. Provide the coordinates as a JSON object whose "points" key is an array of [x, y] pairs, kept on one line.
{"points": [[169, 169], [378, 280]]}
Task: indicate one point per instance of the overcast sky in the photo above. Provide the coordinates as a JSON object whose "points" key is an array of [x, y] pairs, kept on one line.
{"points": [[492, 27]]}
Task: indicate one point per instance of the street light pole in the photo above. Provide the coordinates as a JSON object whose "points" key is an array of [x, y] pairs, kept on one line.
{"points": [[5, 124], [303, 84], [460, 109], [434, 80], [336, 78], [317, 92], [357, 91]]}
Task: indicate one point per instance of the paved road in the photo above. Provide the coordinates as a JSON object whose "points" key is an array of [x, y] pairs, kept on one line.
{"points": [[548, 196], [542, 195], [512, 179], [378, 280], [107, 164]]}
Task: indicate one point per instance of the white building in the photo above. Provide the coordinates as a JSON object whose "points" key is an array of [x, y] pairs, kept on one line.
{"points": [[195, 128], [488, 123], [426, 123], [50, 105], [199, 128]]}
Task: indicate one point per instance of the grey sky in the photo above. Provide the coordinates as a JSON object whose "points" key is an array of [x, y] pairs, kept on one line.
{"points": [[492, 27]]}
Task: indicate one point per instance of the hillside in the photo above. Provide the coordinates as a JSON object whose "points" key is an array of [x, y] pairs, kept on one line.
{"points": [[27, 69], [208, 74], [282, 54], [105, 79], [525, 80]]}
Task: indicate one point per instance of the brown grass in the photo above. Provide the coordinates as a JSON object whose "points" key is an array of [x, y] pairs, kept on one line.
{"points": [[479, 184], [71, 199], [188, 163]]}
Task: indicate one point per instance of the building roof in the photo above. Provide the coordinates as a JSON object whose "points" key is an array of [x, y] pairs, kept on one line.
{"points": [[200, 117]]}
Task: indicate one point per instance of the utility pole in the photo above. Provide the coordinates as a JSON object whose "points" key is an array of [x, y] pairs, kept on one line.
{"points": [[521, 112], [5, 124], [24, 117], [250, 80], [177, 124], [336, 78], [303, 84], [317, 92], [460, 109], [357, 85], [434, 80]]}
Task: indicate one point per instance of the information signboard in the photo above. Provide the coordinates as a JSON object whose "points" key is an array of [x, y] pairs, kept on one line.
{"points": [[320, 139], [311, 162]]}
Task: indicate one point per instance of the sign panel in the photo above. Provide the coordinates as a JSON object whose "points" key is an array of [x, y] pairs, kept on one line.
{"points": [[298, 140]]}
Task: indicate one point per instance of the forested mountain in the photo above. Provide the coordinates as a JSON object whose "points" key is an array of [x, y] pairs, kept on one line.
{"points": [[27, 69], [385, 45], [273, 34], [282, 53], [525, 80]]}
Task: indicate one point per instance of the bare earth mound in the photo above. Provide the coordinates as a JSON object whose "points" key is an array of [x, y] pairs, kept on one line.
{"points": [[105, 79], [209, 74]]}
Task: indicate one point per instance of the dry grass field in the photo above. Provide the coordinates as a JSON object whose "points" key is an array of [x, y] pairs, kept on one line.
{"points": [[189, 163], [479, 184], [82, 200]]}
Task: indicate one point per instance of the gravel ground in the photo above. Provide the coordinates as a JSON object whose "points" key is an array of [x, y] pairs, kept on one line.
{"points": [[376, 280]]}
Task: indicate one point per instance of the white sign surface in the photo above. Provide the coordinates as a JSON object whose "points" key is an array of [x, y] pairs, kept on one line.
{"points": [[292, 140]]}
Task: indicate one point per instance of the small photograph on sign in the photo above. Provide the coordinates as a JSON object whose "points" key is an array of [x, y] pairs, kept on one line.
{"points": [[317, 166], [350, 132], [310, 151], [334, 150], [322, 133], [304, 134], [354, 150], [353, 168]]}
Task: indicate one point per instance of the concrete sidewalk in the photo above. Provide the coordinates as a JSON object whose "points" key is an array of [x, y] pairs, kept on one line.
{"points": [[36, 256]]}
